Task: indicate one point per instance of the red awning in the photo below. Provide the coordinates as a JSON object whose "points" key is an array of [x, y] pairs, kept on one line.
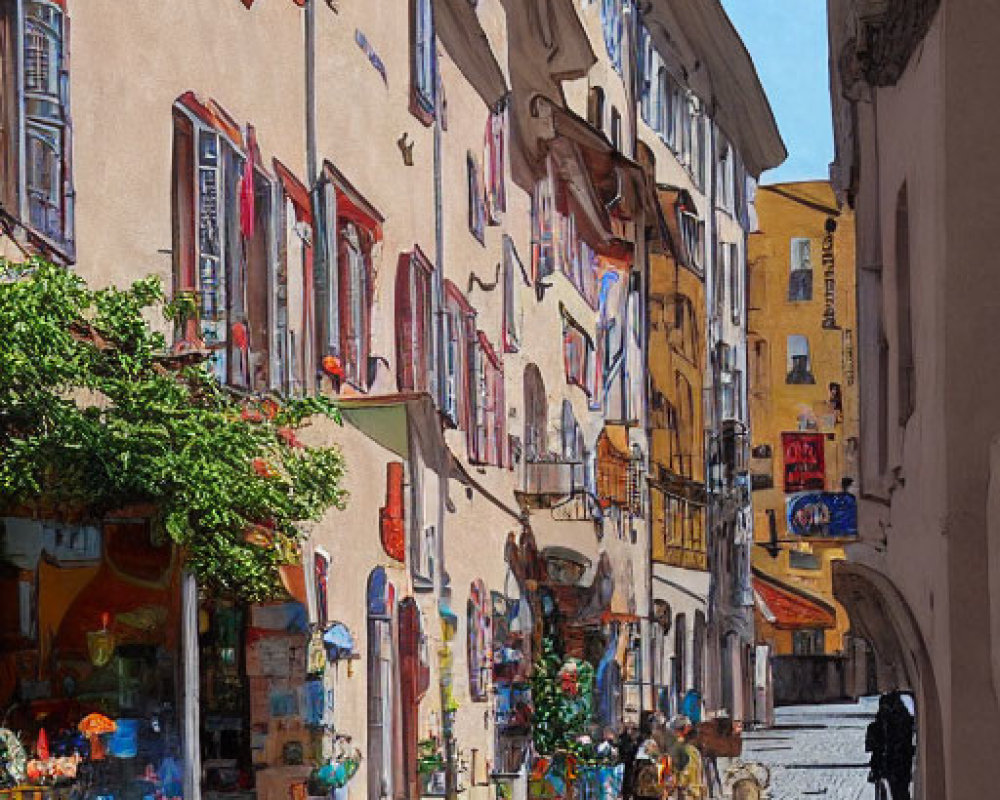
{"points": [[788, 608]]}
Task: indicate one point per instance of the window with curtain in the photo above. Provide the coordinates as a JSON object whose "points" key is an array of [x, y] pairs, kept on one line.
{"points": [[423, 68], [35, 135]]}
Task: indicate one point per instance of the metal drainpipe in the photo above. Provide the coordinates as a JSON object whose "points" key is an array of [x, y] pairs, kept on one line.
{"points": [[443, 457], [642, 251], [711, 437], [310, 47]]}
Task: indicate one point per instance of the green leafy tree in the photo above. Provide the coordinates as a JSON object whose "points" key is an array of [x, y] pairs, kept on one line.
{"points": [[95, 415]]}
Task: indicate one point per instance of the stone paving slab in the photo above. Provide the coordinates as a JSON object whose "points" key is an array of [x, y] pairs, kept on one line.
{"points": [[815, 752]]}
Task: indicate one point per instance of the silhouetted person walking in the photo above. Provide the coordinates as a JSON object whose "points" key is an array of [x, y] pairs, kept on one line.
{"points": [[890, 741]]}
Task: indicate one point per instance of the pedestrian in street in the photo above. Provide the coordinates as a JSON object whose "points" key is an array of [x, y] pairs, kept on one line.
{"points": [[889, 739], [628, 747]]}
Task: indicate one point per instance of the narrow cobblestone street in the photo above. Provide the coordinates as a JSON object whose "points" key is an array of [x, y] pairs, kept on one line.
{"points": [[815, 751]]}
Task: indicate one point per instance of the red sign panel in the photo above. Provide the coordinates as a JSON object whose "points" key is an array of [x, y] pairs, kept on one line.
{"points": [[805, 468]]}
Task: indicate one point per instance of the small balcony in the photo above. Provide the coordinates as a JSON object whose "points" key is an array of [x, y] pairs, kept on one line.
{"points": [[553, 478]]}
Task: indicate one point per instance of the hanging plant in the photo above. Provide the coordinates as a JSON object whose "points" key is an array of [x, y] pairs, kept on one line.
{"points": [[562, 695], [95, 416]]}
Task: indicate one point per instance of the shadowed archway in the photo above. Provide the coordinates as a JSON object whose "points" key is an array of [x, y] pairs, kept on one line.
{"points": [[880, 614]]}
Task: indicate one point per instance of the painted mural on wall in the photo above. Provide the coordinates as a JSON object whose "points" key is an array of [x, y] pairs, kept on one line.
{"points": [[823, 514]]}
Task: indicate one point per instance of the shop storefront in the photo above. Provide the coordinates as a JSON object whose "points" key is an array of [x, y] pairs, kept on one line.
{"points": [[90, 659], [114, 685]]}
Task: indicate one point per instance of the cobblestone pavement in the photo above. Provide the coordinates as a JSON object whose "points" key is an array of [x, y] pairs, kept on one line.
{"points": [[815, 752]]}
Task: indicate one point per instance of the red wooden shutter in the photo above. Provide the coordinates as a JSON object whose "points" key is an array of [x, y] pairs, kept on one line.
{"points": [[391, 516], [404, 324]]}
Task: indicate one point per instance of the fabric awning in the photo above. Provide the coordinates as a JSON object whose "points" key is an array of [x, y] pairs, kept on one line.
{"points": [[457, 23], [789, 608], [385, 418]]}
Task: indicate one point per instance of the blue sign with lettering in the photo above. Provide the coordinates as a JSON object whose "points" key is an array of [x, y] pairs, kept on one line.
{"points": [[823, 515]]}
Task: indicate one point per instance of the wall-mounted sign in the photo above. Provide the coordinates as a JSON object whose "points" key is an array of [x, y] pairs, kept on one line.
{"points": [[828, 515], [805, 467], [829, 280]]}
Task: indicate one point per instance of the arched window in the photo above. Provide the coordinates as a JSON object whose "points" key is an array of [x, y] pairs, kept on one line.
{"points": [[536, 414], [415, 674], [384, 759]]}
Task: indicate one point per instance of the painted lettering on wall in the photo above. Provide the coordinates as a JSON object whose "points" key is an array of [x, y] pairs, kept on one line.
{"points": [[829, 282], [849, 356]]}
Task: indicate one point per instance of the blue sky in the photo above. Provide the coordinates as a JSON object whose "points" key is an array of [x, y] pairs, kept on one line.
{"points": [[787, 39]]}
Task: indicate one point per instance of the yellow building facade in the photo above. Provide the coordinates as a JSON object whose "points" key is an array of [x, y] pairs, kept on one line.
{"points": [[804, 414], [677, 313]]}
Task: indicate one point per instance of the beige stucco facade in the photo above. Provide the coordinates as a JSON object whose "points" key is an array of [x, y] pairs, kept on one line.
{"points": [[561, 467], [918, 169]]}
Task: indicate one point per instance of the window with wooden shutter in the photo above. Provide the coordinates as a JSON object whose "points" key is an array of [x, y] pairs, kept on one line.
{"points": [[35, 127], [423, 61], [354, 309], [579, 358], [350, 228], [459, 325], [414, 318], [477, 204], [543, 256], [514, 275], [224, 231], [488, 434], [536, 415]]}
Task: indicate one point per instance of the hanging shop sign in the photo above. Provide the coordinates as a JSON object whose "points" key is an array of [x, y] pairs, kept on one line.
{"points": [[805, 467], [823, 515]]}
